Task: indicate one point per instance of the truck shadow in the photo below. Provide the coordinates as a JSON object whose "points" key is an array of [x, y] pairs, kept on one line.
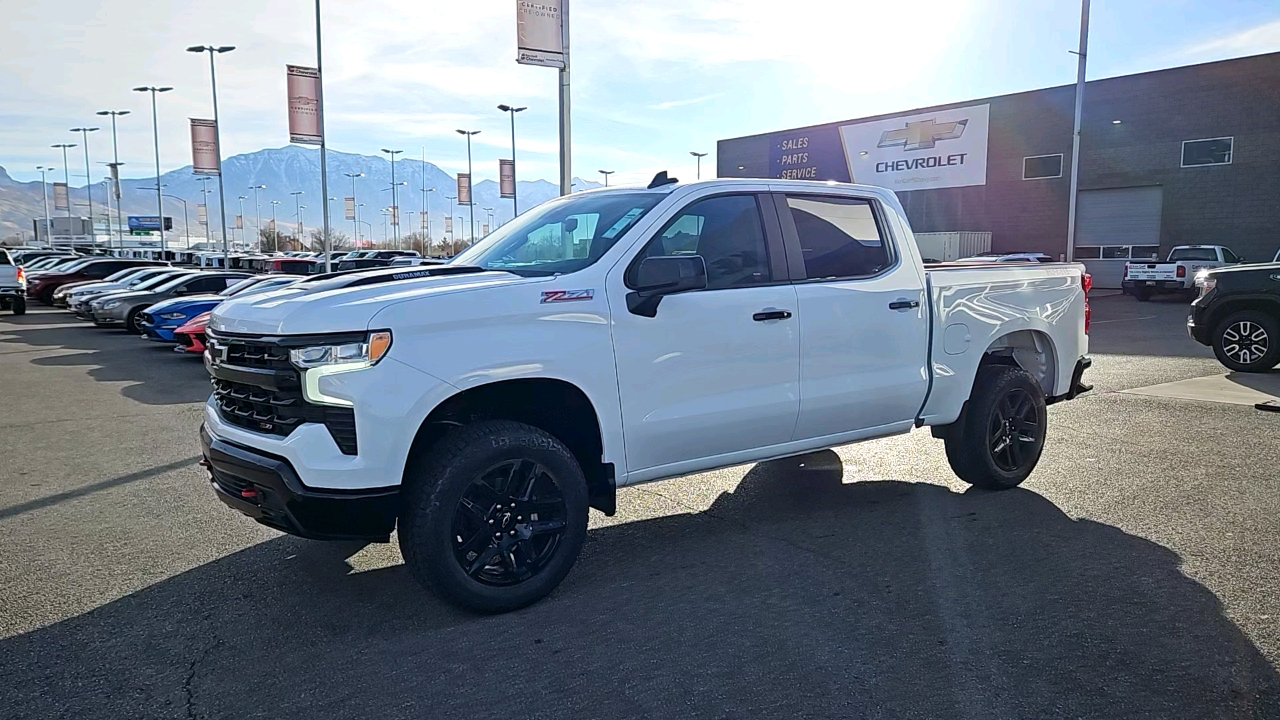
{"points": [[156, 375], [792, 596]]}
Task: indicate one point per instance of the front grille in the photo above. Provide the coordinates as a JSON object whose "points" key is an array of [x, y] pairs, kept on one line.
{"points": [[277, 411]]}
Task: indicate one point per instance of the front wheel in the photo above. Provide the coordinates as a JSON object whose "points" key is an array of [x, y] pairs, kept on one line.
{"points": [[133, 321], [997, 442], [1248, 341], [493, 516]]}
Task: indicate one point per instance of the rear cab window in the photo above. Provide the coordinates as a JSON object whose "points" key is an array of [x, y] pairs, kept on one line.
{"points": [[1194, 254]]}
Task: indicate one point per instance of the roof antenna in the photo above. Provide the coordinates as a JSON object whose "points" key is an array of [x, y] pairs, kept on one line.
{"points": [[661, 179]]}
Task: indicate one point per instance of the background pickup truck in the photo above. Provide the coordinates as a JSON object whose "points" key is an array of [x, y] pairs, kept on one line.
{"points": [[13, 285], [1178, 274], [614, 337]]}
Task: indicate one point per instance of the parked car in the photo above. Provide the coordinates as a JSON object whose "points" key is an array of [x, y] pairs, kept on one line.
{"points": [[159, 321], [414, 261], [1010, 257], [1238, 315], [13, 285], [111, 282], [79, 300], [1178, 273], [373, 258], [124, 309], [41, 262], [190, 337], [485, 404], [41, 286], [27, 257]]}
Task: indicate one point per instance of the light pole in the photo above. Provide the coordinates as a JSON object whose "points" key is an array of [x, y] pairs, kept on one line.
{"points": [[426, 217], [155, 133], [275, 230], [385, 214], [297, 210], [699, 156], [301, 229], [217, 140], [186, 228], [115, 168], [204, 199], [394, 204], [257, 213], [515, 206], [243, 245], [606, 174], [355, 213], [489, 213], [44, 190], [1075, 131], [471, 179], [88, 180]]}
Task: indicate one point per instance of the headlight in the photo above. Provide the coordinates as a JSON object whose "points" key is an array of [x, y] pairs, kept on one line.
{"points": [[355, 355], [110, 304], [1206, 284], [173, 315]]}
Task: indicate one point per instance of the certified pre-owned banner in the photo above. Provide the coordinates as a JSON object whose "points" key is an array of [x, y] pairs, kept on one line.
{"points": [[239, 222], [448, 225], [304, 105], [507, 178], [464, 188], [204, 147], [60, 196], [349, 207], [202, 215], [940, 149], [394, 212], [539, 36]]}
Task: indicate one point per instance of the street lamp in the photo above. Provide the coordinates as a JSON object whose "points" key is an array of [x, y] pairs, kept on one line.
{"points": [[257, 213], [243, 245], [471, 179], [394, 204], [44, 190], [606, 174], [515, 207], [217, 140], [355, 214], [115, 170], [489, 212], [204, 199], [155, 133], [88, 180], [297, 210], [275, 231], [699, 156]]}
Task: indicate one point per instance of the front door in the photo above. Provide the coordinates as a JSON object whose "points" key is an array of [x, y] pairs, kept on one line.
{"points": [[715, 371]]}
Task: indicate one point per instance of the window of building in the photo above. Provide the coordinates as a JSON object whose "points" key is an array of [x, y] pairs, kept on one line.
{"points": [[1042, 167], [1115, 252], [839, 237], [1088, 253], [1145, 252], [1212, 151], [727, 232]]}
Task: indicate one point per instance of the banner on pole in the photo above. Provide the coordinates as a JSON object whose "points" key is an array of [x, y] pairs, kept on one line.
{"points": [[60, 196], [304, 105], [395, 215], [464, 188], [507, 178], [271, 226], [539, 33], [239, 222], [448, 226], [202, 215], [484, 229], [349, 207], [204, 147]]}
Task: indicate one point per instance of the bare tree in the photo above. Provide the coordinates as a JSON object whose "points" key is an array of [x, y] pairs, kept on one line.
{"points": [[338, 240]]}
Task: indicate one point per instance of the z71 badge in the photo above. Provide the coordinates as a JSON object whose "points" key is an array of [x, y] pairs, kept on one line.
{"points": [[555, 296]]}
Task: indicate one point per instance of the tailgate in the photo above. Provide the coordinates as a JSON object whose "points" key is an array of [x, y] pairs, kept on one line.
{"points": [[1152, 271]]}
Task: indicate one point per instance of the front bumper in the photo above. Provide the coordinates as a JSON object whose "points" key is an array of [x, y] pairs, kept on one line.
{"points": [[1198, 321], [266, 488], [113, 316]]}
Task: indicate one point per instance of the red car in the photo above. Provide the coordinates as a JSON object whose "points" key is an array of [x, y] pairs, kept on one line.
{"points": [[40, 286], [190, 337]]}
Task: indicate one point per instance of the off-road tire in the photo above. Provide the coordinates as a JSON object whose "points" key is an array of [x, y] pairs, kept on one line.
{"points": [[434, 484], [1264, 350], [19, 306], [972, 441]]}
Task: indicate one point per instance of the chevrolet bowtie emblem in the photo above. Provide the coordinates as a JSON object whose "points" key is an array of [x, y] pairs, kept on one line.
{"points": [[922, 135]]}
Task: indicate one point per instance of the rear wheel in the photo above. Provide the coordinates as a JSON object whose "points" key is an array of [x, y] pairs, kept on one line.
{"points": [[1143, 294], [1248, 341], [19, 306], [493, 516], [997, 441], [46, 296]]}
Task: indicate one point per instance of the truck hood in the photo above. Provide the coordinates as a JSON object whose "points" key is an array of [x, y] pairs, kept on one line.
{"points": [[341, 302], [1245, 268]]}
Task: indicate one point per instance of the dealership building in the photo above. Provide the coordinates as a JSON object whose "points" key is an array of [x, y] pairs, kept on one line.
{"points": [[1189, 155]]}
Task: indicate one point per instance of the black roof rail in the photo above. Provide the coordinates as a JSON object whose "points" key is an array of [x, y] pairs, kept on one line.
{"points": [[661, 179]]}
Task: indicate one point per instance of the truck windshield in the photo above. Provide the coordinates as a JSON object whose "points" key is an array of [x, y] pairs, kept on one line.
{"points": [[1204, 254], [561, 236]]}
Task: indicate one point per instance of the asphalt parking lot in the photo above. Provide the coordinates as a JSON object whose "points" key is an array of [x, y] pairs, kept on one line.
{"points": [[1135, 575]]}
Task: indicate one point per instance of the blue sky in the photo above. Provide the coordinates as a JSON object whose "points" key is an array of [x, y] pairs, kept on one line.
{"points": [[652, 80]]}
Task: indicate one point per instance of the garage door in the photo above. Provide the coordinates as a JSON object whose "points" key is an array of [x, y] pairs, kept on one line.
{"points": [[1110, 224]]}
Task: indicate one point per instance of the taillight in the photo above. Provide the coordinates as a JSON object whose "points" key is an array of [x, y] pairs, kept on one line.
{"points": [[22, 277], [1182, 271], [1086, 282]]}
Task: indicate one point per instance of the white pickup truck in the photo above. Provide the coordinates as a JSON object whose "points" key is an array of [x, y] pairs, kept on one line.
{"points": [[614, 337], [1178, 273], [13, 285]]}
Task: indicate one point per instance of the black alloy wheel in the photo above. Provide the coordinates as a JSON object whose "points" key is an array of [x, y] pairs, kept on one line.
{"points": [[1245, 342], [509, 523], [1013, 430]]}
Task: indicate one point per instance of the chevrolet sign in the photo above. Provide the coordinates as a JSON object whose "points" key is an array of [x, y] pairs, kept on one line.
{"points": [[940, 149]]}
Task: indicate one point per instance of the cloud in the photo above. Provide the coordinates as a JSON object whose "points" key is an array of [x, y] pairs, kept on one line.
{"points": [[681, 103], [1252, 41]]}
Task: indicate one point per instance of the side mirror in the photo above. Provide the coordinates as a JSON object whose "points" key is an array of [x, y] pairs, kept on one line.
{"points": [[664, 275]]}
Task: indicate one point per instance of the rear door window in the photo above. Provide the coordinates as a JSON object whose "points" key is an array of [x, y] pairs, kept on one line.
{"points": [[839, 237]]}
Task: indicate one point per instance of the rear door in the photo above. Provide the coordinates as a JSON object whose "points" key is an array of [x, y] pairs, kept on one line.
{"points": [[863, 317]]}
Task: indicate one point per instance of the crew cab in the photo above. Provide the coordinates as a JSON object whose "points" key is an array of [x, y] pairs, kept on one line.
{"points": [[614, 337], [1178, 274], [1238, 315], [13, 285]]}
